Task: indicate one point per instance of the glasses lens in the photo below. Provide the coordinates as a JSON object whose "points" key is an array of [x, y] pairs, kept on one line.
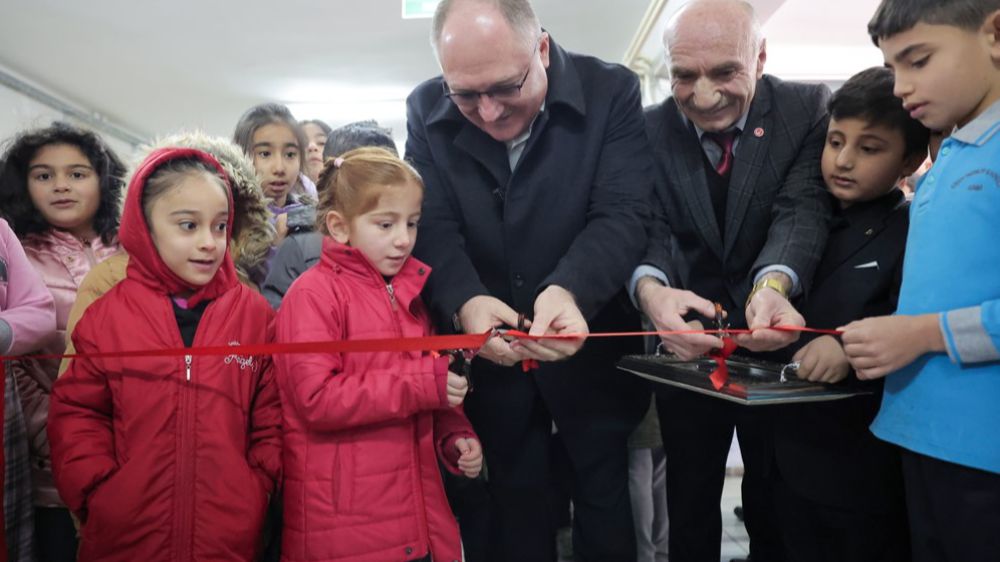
{"points": [[505, 93]]}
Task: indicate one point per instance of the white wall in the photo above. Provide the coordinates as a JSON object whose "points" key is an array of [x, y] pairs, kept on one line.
{"points": [[19, 112]]}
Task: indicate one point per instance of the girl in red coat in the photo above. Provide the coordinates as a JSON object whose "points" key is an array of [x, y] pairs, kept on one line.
{"points": [[170, 458], [364, 431]]}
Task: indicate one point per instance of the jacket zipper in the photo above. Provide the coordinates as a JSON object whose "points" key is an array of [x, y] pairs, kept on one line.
{"points": [[392, 295], [186, 423]]}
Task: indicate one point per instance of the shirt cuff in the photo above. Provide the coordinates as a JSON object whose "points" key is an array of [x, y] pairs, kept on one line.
{"points": [[966, 337], [796, 288], [644, 271]]}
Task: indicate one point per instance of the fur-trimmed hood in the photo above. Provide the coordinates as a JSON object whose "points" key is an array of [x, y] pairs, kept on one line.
{"points": [[253, 233]]}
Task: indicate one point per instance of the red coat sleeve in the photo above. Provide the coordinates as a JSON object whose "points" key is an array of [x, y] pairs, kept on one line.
{"points": [[327, 397], [80, 430], [451, 425], [264, 454]]}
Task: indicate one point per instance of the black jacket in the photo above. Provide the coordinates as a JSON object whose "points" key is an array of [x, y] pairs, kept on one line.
{"points": [[573, 214], [825, 450]]}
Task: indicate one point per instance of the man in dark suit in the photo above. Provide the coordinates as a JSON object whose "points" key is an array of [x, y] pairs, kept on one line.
{"points": [[741, 220], [538, 180]]}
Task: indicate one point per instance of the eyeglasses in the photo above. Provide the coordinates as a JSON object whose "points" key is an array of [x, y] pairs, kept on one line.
{"points": [[468, 99]]}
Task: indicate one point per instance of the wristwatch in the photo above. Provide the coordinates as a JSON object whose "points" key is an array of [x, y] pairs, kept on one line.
{"points": [[766, 283]]}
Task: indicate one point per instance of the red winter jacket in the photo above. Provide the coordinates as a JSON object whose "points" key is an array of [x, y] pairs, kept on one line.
{"points": [[167, 458], [363, 432]]}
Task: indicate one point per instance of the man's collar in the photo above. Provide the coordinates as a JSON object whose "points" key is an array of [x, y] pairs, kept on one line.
{"points": [[564, 88], [982, 128], [740, 124]]}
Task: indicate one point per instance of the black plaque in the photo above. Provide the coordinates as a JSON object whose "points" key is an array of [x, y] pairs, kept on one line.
{"points": [[751, 382]]}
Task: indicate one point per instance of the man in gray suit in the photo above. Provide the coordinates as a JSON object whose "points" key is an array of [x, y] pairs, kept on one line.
{"points": [[740, 219]]}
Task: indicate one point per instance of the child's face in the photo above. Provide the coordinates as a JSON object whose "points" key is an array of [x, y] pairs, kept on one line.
{"points": [[385, 234], [944, 75], [277, 158], [862, 161], [188, 227], [65, 188], [314, 152]]}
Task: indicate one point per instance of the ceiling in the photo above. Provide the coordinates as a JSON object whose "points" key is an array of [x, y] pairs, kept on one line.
{"points": [[156, 67]]}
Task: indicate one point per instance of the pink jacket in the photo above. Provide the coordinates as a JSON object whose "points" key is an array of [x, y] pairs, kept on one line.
{"points": [[25, 305], [63, 262]]}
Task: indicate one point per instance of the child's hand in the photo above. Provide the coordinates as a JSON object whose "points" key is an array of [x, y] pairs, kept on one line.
{"points": [[281, 228], [458, 386], [471, 460], [878, 346], [822, 360]]}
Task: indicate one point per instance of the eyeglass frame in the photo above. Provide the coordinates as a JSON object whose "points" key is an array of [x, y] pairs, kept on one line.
{"points": [[508, 92]]}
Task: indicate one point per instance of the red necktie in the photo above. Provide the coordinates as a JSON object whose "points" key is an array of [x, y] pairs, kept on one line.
{"points": [[724, 141]]}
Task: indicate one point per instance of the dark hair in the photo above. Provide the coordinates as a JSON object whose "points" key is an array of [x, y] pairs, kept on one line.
{"points": [[323, 126], [15, 202], [868, 96], [897, 16], [172, 173], [266, 114], [357, 135]]}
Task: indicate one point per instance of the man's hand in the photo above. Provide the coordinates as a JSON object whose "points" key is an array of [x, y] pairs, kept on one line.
{"points": [[471, 460], [555, 313], [822, 360], [878, 346], [458, 387], [483, 313], [666, 307], [769, 308]]}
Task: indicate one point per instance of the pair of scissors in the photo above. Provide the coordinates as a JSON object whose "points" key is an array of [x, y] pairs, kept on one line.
{"points": [[461, 363], [721, 325]]}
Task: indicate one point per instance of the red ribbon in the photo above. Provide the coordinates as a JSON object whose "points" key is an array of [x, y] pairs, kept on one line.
{"points": [[720, 376], [427, 343]]}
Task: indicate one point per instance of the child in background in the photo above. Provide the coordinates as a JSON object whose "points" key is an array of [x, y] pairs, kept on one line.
{"points": [[941, 350], [60, 187], [301, 250], [27, 319], [363, 432], [170, 458], [838, 490], [317, 133], [275, 143]]}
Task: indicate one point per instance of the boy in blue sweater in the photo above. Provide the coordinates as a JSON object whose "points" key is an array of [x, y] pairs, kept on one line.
{"points": [[941, 349]]}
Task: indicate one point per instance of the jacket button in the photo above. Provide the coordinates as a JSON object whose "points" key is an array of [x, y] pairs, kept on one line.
{"points": [[409, 550], [421, 271], [518, 281]]}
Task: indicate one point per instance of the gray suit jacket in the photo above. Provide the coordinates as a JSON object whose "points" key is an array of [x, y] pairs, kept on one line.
{"points": [[777, 210]]}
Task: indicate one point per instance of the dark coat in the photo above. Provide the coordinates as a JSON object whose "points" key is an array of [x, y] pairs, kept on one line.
{"points": [[777, 209], [572, 213], [825, 451]]}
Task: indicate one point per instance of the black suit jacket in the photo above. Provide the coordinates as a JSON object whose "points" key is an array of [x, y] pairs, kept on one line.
{"points": [[777, 208], [825, 450], [572, 213]]}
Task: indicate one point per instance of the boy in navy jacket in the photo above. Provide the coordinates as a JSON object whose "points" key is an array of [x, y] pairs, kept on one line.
{"points": [[837, 489]]}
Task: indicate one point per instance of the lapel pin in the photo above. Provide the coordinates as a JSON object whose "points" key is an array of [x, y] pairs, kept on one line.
{"points": [[869, 232], [758, 132]]}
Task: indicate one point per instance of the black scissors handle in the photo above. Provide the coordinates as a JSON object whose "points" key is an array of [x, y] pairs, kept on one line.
{"points": [[461, 364]]}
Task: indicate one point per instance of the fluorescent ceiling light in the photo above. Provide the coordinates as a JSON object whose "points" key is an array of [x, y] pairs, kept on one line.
{"points": [[413, 9]]}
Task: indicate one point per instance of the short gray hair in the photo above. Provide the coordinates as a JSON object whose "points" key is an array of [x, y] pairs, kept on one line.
{"points": [[517, 13]]}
